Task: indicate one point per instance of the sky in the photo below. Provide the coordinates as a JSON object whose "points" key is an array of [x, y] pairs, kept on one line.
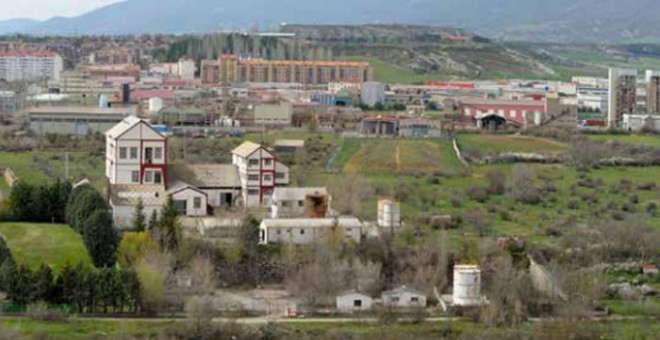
{"points": [[44, 9]]}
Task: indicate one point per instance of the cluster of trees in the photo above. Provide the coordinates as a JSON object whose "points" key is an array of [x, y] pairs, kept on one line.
{"points": [[83, 289], [88, 213], [42, 203]]}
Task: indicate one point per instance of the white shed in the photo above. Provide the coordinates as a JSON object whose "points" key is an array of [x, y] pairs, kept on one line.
{"points": [[353, 301], [403, 297]]}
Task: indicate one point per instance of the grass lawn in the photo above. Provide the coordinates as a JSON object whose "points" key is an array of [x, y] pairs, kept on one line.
{"points": [[392, 156], [38, 167], [487, 143], [648, 140], [82, 329], [34, 244]]}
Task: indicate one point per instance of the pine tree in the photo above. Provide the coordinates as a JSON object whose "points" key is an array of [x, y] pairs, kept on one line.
{"points": [[169, 226], [153, 221], [101, 239], [139, 220], [20, 201], [83, 202], [20, 285], [43, 284]]}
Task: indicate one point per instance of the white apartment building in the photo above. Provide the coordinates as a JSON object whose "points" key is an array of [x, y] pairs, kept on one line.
{"points": [[30, 66], [300, 203], [259, 173]]}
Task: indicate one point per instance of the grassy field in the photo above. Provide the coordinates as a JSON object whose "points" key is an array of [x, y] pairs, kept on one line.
{"points": [[120, 329], [34, 244], [648, 140], [389, 73], [38, 167], [508, 143], [378, 156]]}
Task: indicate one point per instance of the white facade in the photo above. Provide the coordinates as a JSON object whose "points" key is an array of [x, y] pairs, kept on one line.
{"points": [[30, 66], [389, 214], [467, 285], [190, 201], [259, 173], [353, 302], [637, 123], [187, 69], [403, 297], [273, 114], [300, 202], [135, 153], [308, 230]]}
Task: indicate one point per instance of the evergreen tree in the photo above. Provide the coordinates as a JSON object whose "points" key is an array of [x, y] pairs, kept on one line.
{"points": [[20, 285], [153, 221], [82, 203], [20, 201], [5, 253], [170, 227], [101, 239], [139, 220], [43, 284]]}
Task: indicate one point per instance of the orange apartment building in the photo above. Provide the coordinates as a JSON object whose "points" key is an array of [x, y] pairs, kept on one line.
{"points": [[230, 69]]}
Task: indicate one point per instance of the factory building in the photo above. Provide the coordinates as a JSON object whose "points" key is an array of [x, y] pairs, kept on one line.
{"points": [[76, 120]]}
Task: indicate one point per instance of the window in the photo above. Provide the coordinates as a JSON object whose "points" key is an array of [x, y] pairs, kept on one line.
{"points": [[268, 162], [158, 177], [512, 114], [253, 192], [253, 162], [280, 175], [134, 152], [394, 299], [279, 232], [357, 303], [159, 153], [135, 176], [268, 178], [253, 177], [122, 153], [197, 202], [414, 299], [148, 176], [302, 231], [301, 203]]}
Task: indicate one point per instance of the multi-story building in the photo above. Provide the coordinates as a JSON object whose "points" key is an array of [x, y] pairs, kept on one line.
{"points": [[231, 69], [30, 66], [652, 92], [622, 96], [259, 173], [183, 69], [373, 93]]}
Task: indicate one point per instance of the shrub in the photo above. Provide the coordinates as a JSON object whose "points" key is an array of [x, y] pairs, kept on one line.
{"points": [[478, 194], [629, 208], [652, 208], [573, 204], [633, 199]]}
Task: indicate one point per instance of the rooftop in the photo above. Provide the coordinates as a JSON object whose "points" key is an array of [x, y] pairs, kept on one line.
{"points": [[246, 149], [91, 110], [344, 222], [206, 175]]}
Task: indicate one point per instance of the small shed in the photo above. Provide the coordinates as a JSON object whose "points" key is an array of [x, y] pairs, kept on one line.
{"points": [[289, 145], [353, 301], [403, 297]]}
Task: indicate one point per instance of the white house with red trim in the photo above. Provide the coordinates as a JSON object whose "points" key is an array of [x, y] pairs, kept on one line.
{"points": [[136, 169], [259, 173]]}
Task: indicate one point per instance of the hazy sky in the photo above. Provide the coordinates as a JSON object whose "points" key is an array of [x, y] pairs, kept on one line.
{"points": [[44, 9]]}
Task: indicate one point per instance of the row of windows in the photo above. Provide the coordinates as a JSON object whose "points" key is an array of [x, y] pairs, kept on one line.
{"points": [[150, 177], [149, 153], [255, 162], [501, 113], [302, 231]]}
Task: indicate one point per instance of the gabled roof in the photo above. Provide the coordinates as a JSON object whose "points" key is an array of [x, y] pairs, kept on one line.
{"points": [[127, 124], [246, 149], [403, 289], [205, 175]]}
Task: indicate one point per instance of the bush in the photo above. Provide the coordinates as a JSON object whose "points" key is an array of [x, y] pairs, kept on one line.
{"points": [[633, 199], [629, 208], [40, 312], [573, 204], [652, 209], [478, 194]]}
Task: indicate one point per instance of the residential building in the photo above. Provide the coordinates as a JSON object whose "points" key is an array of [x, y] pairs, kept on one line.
{"points": [[183, 69], [652, 92], [76, 120], [309, 230], [231, 69], [259, 173], [372, 93], [353, 301], [622, 96], [403, 297], [109, 71], [300, 203], [8, 102], [30, 66], [220, 182]]}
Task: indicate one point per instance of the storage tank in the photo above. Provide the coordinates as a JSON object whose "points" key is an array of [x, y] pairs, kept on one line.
{"points": [[467, 285], [537, 118], [389, 214], [103, 101], [155, 104]]}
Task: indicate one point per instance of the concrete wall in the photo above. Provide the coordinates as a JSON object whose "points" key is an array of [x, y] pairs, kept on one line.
{"points": [[403, 300], [346, 303]]}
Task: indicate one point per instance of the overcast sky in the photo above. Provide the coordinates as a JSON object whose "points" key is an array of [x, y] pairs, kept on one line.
{"points": [[44, 9]]}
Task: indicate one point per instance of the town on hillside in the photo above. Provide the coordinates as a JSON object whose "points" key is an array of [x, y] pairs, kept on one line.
{"points": [[284, 185]]}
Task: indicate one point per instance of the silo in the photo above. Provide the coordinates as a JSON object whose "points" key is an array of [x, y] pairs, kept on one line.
{"points": [[389, 214], [103, 101], [467, 285], [538, 118]]}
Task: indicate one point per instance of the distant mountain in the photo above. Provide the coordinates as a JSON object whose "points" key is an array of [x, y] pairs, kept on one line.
{"points": [[557, 20], [16, 25]]}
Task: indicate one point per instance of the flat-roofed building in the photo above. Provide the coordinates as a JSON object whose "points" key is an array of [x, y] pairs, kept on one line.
{"points": [[309, 230], [622, 96], [30, 66], [76, 120]]}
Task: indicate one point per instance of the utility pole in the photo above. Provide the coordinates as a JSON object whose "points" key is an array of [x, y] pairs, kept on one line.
{"points": [[66, 166]]}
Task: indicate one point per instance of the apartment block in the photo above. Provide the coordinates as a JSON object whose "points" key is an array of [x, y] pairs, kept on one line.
{"points": [[30, 66], [622, 96]]}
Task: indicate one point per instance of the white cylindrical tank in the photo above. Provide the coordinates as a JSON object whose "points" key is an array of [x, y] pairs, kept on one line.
{"points": [[389, 214], [155, 104], [103, 101], [467, 285], [537, 118]]}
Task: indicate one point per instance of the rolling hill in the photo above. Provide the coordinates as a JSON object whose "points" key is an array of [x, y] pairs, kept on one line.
{"points": [[537, 20]]}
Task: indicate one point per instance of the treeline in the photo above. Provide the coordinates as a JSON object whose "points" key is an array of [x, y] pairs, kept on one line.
{"points": [[81, 288], [270, 48], [41, 204]]}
